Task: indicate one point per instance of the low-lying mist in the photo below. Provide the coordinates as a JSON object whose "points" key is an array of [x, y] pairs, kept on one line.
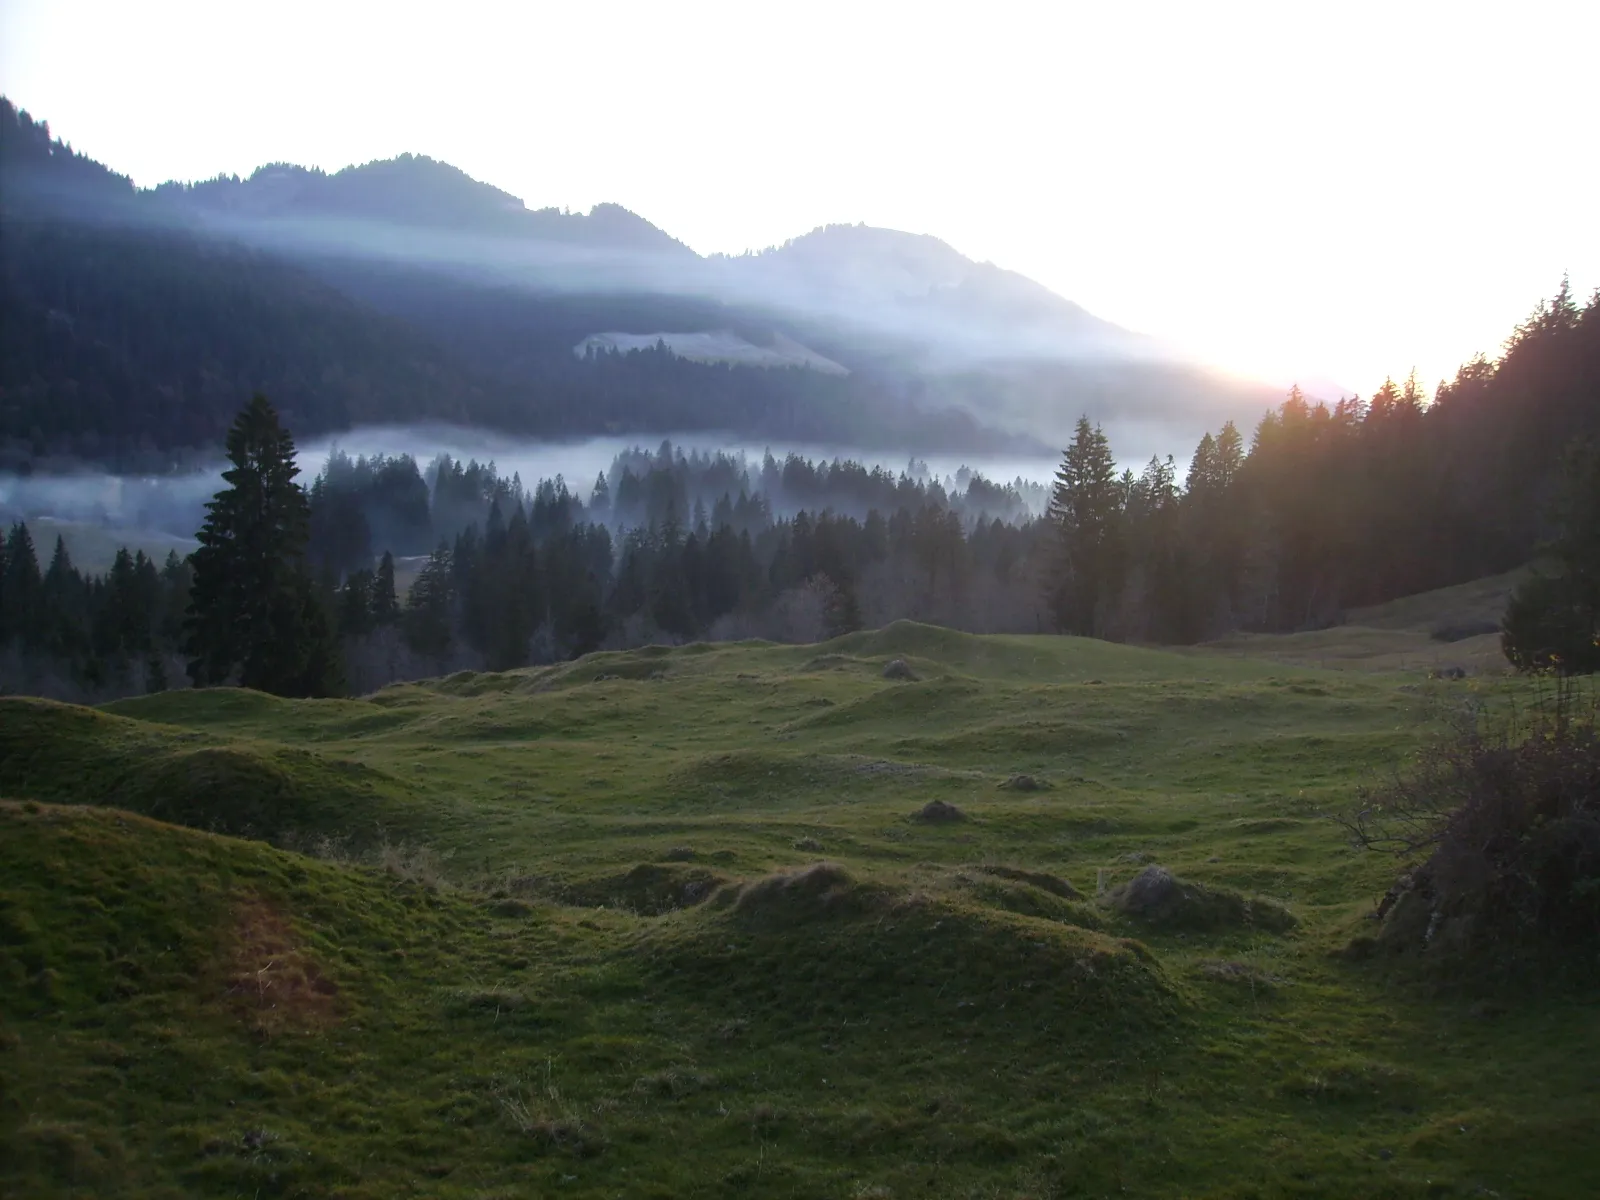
{"points": [[97, 512]]}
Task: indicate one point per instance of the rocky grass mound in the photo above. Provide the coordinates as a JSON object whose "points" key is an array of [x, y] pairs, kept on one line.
{"points": [[1158, 898]]}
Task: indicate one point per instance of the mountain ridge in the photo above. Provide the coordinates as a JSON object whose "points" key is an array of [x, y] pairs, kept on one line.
{"points": [[839, 264], [411, 189], [925, 337]]}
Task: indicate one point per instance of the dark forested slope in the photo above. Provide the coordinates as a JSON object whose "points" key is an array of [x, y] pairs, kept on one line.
{"points": [[137, 321]]}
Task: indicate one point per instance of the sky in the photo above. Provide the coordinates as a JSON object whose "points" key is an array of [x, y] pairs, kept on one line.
{"points": [[1314, 191]]}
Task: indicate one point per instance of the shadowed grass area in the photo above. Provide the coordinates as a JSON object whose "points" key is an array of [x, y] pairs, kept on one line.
{"points": [[667, 926], [252, 788], [1451, 627]]}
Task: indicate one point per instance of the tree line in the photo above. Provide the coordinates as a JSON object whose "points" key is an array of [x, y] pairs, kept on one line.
{"points": [[378, 571], [382, 570], [1332, 507]]}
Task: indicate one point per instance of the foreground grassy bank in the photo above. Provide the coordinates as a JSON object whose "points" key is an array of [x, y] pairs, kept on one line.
{"points": [[682, 922]]}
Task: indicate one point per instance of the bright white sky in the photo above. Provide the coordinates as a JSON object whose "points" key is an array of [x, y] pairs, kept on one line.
{"points": [[1322, 191]]}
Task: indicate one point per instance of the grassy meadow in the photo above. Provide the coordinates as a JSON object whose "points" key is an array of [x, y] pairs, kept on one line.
{"points": [[671, 923]]}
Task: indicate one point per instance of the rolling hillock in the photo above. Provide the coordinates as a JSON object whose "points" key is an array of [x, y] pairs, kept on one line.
{"points": [[661, 929], [68, 754]]}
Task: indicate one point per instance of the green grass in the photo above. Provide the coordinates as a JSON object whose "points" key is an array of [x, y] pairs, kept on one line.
{"points": [[643, 983]]}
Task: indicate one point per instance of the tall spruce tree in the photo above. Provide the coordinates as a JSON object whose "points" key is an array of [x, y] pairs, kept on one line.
{"points": [[385, 603], [1085, 505], [254, 612], [21, 591], [429, 615]]}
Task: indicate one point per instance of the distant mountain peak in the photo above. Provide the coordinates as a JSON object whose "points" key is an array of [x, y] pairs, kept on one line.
{"points": [[894, 276], [414, 190]]}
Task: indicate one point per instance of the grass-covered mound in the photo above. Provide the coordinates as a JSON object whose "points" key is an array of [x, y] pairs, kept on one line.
{"points": [[174, 1002], [635, 980], [828, 956], [186, 1012], [68, 754]]}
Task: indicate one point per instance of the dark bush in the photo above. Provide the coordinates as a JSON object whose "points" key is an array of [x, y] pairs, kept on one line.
{"points": [[1553, 623], [938, 812], [1505, 817]]}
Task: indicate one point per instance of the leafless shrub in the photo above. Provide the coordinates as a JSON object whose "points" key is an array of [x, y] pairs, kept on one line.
{"points": [[1504, 814]]}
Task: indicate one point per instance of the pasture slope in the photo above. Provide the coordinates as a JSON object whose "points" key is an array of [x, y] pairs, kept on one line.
{"points": [[689, 923]]}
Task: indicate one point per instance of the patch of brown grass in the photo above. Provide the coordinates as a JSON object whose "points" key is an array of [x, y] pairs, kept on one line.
{"points": [[273, 983]]}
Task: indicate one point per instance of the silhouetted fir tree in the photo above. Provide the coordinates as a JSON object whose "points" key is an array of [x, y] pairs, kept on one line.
{"points": [[65, 607], [843, 612], [177, 578], [254, 611], [429, 615], [385, 602], [355, 604], [21, 591], [511, 585], [1085, 505]]}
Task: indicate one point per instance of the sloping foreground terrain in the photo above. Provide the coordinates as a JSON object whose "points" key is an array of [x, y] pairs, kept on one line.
{"points": [[1048, 918]]}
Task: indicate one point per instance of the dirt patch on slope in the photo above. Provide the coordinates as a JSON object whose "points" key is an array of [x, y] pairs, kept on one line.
{"points": [[271, 981]]}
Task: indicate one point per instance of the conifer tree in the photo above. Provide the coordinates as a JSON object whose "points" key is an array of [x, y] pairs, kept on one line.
{"points": [[21, 590], [429, 607], [385, 603], [63, 608], [254, 612], [1084, 505]]}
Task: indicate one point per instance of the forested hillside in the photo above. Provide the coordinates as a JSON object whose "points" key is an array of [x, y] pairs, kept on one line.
{"points": [[137, 321], [132, 328], [128, 336]]}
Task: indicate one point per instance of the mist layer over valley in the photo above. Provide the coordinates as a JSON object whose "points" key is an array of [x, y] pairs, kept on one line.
{"points": [[99, 512]]}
